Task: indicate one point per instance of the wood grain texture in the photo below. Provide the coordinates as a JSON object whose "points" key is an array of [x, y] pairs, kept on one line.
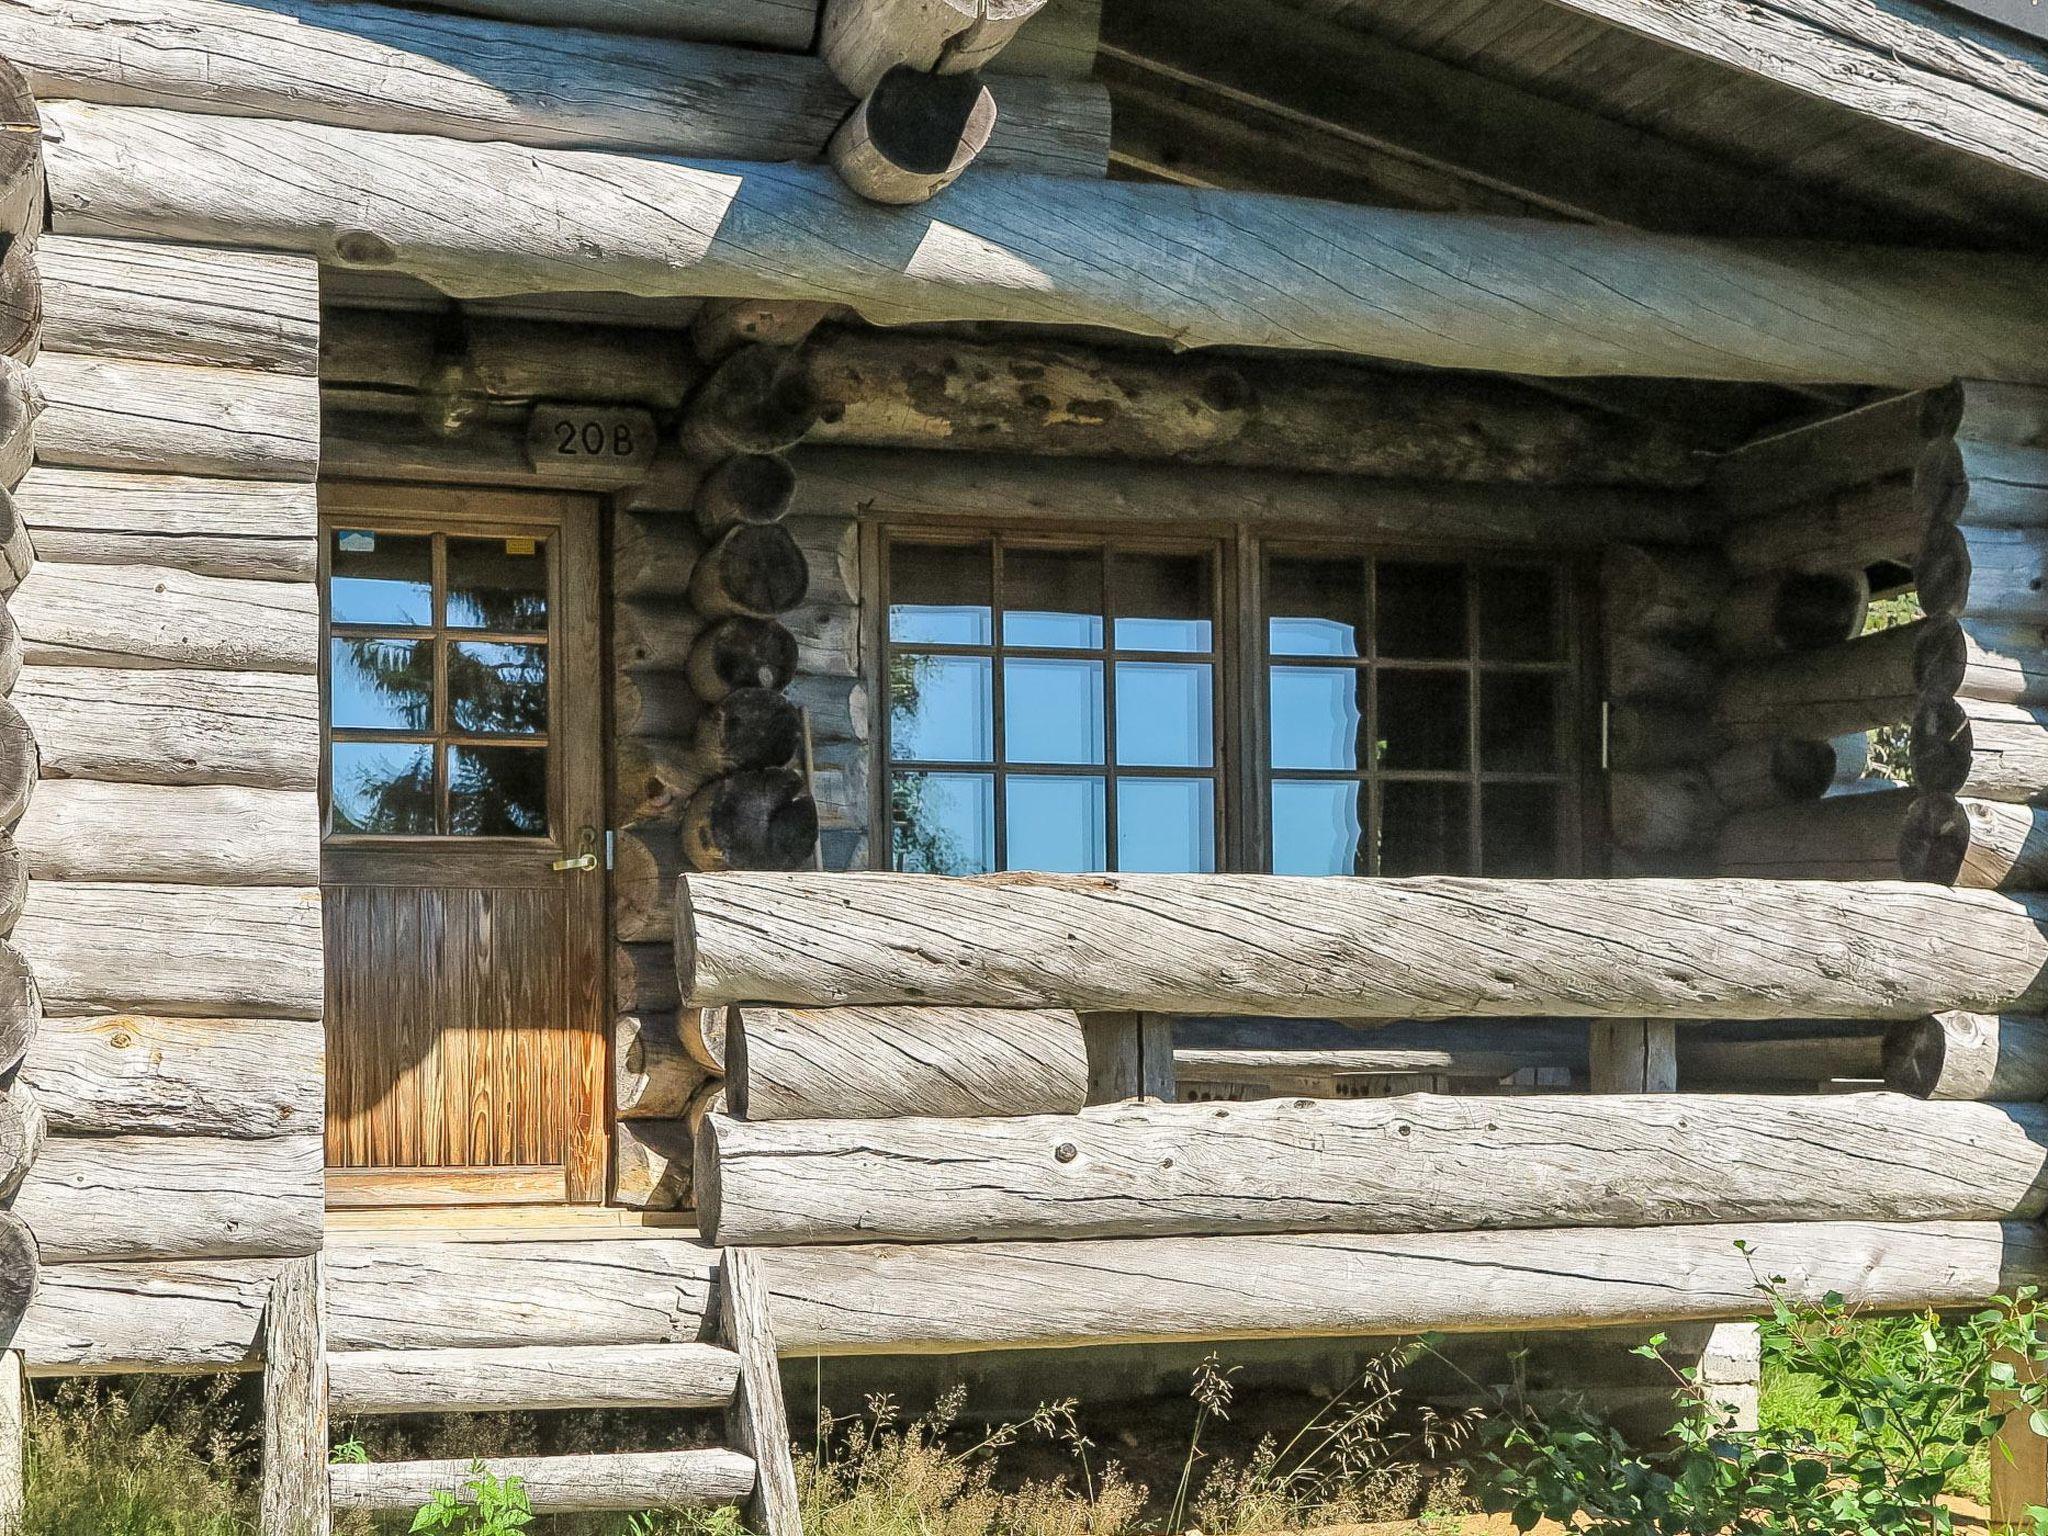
{"points": [[635, 1480], [129, 1074], [1969, 1056], [174, 726], [758, 1423], [1856, 685], [876, 1298], [86, 830], [23, 1129], [534, 1377], [155, 616], [172, 418], [1840, 837], [20, 1268], [652, 1074], [1252, 271], [1982, 750], [1416, 948], [259, 529], [294, 1495], [199, 1315]]}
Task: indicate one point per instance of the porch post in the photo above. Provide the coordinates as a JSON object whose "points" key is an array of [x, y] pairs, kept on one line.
{"points": [[295, 1492]]}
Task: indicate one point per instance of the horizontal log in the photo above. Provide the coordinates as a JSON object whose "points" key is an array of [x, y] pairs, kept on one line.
{"points": [[651, 1165], [863, 40], [1863, 525], [2008, 485], [171, 726], [783, 24], [378, 66], [1660, 669], [171, 418], [1795, 1055], [532, 1378], [1392, 948], [134, 1075], [1996, 575], [1663, 812], [1837, 453], [1969, 1056], [1985, 751], [1796, 611], [653, 1076], [83, 829], [187, 950], [624, 1480], [265, 530], [1995, 663], [154, 616], [1755, 774], [1854, 685], [1843, 837], [103, 1198], [1981, 845], [197, 1315], [862, 1063], [1419, 1163], [1662, 590], [167, 303], [839, 785], [1251, 270], [874, 1298]]}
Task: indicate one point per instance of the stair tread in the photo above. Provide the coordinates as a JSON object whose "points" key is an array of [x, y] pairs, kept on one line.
{"points": [[531, 1377], [620, 1481]]}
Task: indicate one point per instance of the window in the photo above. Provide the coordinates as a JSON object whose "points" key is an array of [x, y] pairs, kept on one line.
{"points": [[1061, 705], [437, 683]]}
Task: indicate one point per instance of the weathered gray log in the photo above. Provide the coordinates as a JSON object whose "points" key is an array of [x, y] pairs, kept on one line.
{"points": [[1983, 845], [1798, 1055], [245, 951], [172, 303], [200, 1315], [481, 219], [2008, 485], [1969, 1056], [377, 66], [1653, 737], [1987, 751], [22, 1130], [1662, 590], [647, 859], [17, 549], [21, 298], [630, 1480], [21, 169], [912, 135], [939, 1298], [1417, 948], [1663, 812], [751, 571], [20, 762], [862, 40], [1420, 1163], [747, 488], [13, 883], [1996, 575], [653, 1076], [762, 818], [1843, 837], [533, 1377], [655, 701], [82, 829], [1855, 685], [1651, 668], [1755, 774], [651, 1164], [723, 326], [2002, 413], [19, 1265], [294, 1499], [10, 651], [835, 707], [742, 653], [21, 1007], [133, 1075], [839, 784], [758, 1423], [862, 1063], [171, 418], [759, 400], [237, 528], [748, 728], [654, 632], [1997, 663], [154, 616], [172, 726], [703, 1036], [1861, 525], [99, 1198], [21, 403], [1793, 611], [641, 980], [1836, 453]]}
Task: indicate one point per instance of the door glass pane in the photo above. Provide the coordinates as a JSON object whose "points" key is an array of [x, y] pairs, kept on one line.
{"points": [[1162, 603], [1052, 597], [1425, 829], [1518, 722], [943, 823], [939, 594], [380, 685], [1421, 610], [380, 578], [498, 689], [1424, 720], [1055, 823], [1317, 716], [498, 583], [1052, 710], [1520, 616], [383, 788], [1518, 826], [498, 791], [1315, 607], [941, 709], [1167, 826], [1165, 714], [1316, 827]]}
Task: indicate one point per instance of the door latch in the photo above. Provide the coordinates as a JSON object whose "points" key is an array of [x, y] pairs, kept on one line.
{"points": [[587, 859]]}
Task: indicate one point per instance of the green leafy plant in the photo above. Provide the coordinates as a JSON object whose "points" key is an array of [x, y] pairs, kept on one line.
{"points": [[487, 1506]]}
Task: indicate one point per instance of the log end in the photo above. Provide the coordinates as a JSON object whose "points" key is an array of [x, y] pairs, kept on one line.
{"points": [[913, 135], [1935, 840]]}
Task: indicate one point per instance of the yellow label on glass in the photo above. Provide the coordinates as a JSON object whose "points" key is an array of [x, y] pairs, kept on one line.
{"points": [[521, 546]]}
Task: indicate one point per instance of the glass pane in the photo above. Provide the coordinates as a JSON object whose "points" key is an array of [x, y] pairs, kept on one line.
{"points": [[941, 708], [380, 578], [1424, 720], [1520, 617], [1052, 597], [1421, 610], [499, 583], [1518, 722], [381, 787], [498, 689], [1318, 715], [1055, 823], [943, 823], [1425, 829], [498, 791], [1518, 830], [380, 685], [1052, 711], [1316, 826], [1165, 826], [1165, 714], [1162, 603], [939, 594], [1315, 607]]}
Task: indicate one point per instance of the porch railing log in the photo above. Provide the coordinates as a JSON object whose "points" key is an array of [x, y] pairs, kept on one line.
{"points": [[913, 135], [636, 1481], [130, 1074], [1957, 1055], [263, 529], [861, 1063], [532, 1377], [1411, 1164], [1410, 948]]}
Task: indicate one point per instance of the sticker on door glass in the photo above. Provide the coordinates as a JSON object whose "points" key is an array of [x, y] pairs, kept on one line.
{"points": [[355, 541]]}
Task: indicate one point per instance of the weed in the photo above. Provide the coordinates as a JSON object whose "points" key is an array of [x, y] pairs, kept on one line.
{"points": [[487, 1506], [156, 1457]]}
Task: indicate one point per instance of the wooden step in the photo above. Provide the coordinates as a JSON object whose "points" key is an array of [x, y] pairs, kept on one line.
{"points": [[535, 1377], [641, 1480]]}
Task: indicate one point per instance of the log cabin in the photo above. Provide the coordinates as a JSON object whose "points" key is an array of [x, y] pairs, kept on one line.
{"points": [[895, 677]]}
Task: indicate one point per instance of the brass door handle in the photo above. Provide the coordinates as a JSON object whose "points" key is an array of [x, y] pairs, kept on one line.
{"points": [[580, 861]]}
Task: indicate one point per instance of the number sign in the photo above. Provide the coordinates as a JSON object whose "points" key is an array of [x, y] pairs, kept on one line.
{"points": [[590, 444]]}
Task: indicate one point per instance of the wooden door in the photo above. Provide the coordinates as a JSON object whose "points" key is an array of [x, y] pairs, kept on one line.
{"points": [[462, 856]]}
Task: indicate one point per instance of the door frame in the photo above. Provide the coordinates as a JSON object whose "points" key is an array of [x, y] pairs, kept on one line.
{"points": [[576, 636]]}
